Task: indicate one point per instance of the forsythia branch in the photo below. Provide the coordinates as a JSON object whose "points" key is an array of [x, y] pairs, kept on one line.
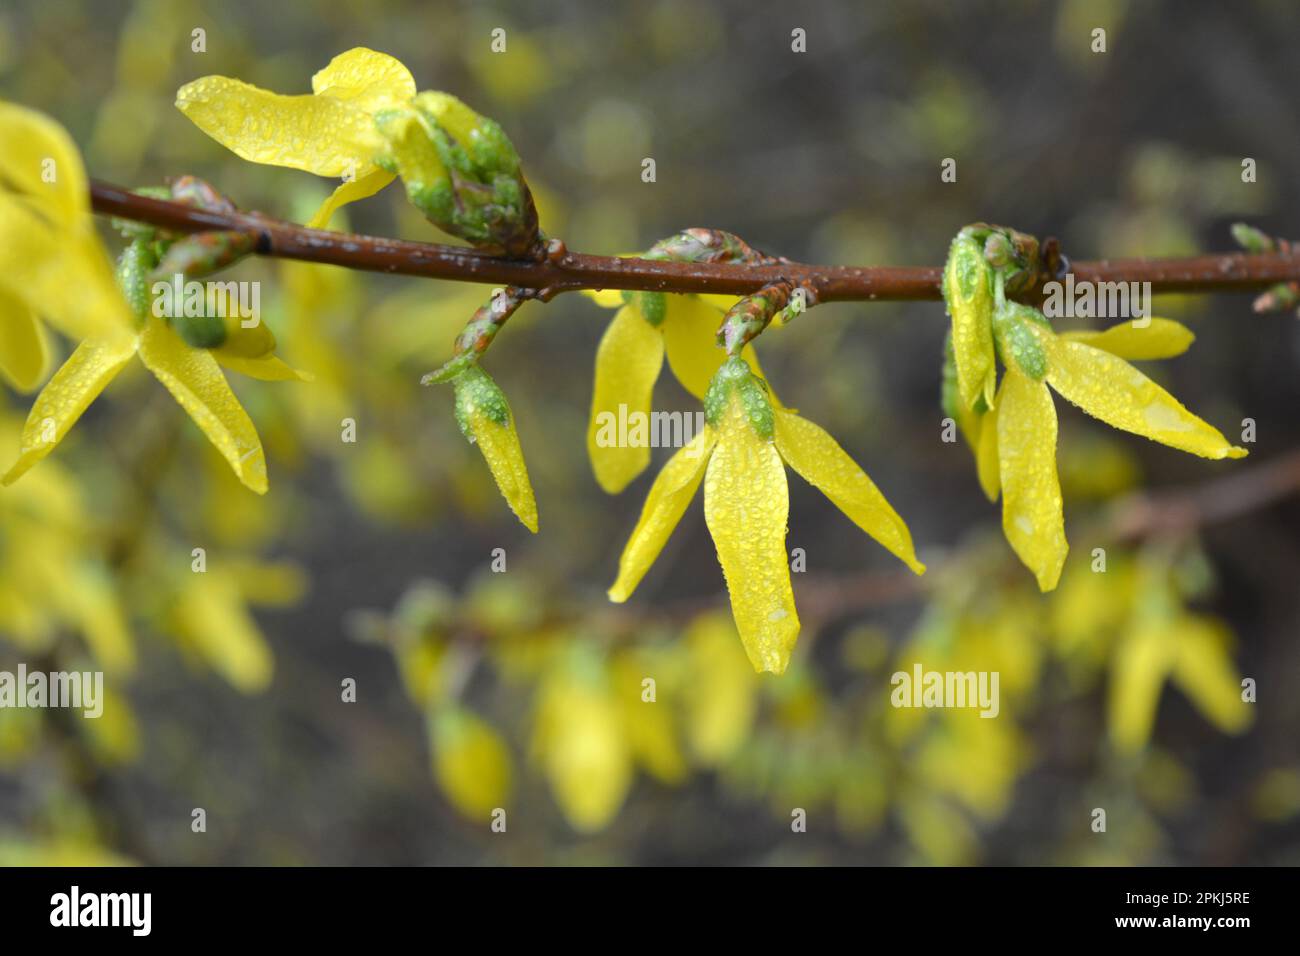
{"points": [[554, 269]]}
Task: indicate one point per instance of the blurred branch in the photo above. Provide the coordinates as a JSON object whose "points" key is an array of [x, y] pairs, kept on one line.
{"points": [[555, 269]]}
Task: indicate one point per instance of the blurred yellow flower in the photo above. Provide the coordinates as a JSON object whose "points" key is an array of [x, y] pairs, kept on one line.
{"points": [[470, 762], [52, 265], [579, 741]]}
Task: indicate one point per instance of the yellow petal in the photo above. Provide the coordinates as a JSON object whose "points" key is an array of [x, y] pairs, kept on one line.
{"points": [[499, 445], [195, 381], [50, 255], [470, 762], [1032, 519], [986, 453], [970, 302], [1108, 388], [584, 753], [268, 368], [368, 79], [722, 303], [319, 134], [43, 163], [690, 329], [746, 503], [212, 616], [627, 363], [671, 492], [1162, 338], [360, 188], [608, 298], [814, 454], [65, 396], [1141, 664], [1205, 673], [24, 353]]}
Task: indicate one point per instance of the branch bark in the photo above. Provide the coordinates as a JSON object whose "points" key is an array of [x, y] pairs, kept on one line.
{"points": [[564, 271]]}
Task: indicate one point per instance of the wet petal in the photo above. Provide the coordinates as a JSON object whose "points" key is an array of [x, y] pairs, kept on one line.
{"points": [[672, 491], [194, 378], [1032, 518], [814, 454], [987, 465], [690, 329], [486, 416], [360, 188], [370, 80], [65, 396], [746, 504], [1108, 388], [318, 134], [1163, 338], [627, 364]]}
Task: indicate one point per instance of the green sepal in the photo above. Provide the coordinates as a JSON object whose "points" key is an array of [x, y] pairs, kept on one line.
{"points": [[735, 377], [134, 265], [1017, 344], [477, 393]]}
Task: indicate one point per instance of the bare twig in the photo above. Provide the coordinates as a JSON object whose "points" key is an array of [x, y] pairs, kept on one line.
{"points": [[561, 271]]}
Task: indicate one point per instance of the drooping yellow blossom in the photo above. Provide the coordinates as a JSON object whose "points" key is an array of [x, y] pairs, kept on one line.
{"points": [[52, 265], [486, 421], [192, 376], [470, 762], [628, 362], [329, 132], [968, 293], [580, 743], [1016, 448], [1190, 650], [740, 456]]}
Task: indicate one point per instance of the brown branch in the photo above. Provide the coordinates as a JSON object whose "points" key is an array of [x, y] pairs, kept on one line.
{"points": [[563, 271]]}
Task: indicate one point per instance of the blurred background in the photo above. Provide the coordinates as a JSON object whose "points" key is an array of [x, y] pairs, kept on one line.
{"points": [[521, 690]]}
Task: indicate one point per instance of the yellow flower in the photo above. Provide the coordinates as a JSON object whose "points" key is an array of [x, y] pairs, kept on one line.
{"points": [[52, 265], [628, 362], [192, 376], [485, 420], [579, 740], [329, 132], [1016, 451], [470, 762], [739, 456]]}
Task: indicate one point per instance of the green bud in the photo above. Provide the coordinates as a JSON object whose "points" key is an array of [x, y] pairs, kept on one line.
{"points": [[1016, 341], [133, 268], [653, 306], [461, 170], [1252, 239], [735, 377], [477, 393]]}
